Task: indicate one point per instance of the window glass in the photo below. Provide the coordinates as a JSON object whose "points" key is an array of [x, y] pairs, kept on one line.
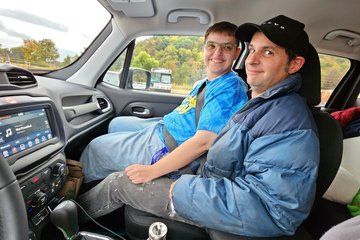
{"points": [[333, 69], [175, 62], [112, 76], [47, 35], [170, 64]]}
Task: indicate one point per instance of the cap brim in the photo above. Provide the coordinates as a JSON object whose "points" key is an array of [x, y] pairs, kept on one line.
{"points": [[246, 31]]}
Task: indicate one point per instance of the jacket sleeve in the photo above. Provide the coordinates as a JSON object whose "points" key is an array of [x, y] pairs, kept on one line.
{"points": [[269, 193]]}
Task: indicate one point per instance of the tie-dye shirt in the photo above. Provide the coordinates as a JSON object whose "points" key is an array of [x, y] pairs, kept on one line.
{"points": [[223, 97]]}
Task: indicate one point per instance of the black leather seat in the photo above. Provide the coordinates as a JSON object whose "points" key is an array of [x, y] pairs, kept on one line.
{"points": [[330, 135], [137, 226]]}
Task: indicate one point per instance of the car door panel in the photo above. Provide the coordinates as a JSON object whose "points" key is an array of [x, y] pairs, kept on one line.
{"points": [[144, 104]]}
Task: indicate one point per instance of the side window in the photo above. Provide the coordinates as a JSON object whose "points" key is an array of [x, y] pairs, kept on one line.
{"points": [[333, 69], [169, 64], [112, 76]]}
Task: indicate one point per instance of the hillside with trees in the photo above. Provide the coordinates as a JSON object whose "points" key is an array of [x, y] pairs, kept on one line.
{"points": [[183, 55], [32, 53]]}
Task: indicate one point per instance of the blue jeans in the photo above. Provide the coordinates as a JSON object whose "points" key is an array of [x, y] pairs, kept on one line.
{"points": [[115, 151], [130, 124]]}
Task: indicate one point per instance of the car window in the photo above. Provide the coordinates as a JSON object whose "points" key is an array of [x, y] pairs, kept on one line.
{"points": [[36, 35], [175, 63], [170, 64], [333, 69]]}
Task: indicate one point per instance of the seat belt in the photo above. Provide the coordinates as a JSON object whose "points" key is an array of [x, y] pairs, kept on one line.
{"points": [[169, 140], [199, 101]]}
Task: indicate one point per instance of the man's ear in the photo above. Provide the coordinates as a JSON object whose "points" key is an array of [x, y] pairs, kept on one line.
{"points": [[296, 64], [238, 51]]}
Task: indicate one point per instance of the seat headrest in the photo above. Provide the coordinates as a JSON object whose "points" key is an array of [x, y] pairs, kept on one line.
{"points": [[311, 78]]}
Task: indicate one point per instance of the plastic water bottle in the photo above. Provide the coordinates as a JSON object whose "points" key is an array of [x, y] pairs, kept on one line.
{"points": [[157, 231]]}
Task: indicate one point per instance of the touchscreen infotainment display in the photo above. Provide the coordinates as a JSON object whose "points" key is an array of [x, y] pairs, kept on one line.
{"points": [[23, 130]]}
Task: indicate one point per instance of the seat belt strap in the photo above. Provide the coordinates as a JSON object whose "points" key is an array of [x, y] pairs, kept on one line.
{"points": [[169, 140], [199, 102]]}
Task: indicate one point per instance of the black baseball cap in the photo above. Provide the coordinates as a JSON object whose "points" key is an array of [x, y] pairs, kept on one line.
{"points": [[281, 30]]}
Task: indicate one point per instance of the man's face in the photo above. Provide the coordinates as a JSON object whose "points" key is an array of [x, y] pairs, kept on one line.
{"points": [[266, 65], [220, 52]]}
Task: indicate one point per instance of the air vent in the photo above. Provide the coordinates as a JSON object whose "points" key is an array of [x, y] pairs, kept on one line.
{"points": [[103, 104], [21, 79]]}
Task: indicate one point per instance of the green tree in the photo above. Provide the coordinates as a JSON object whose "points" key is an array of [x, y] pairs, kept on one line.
{"points": [[144, 60], [30, 47], [4, 54], [67, 61], [40, 52], [47, 52], [17, 54], [183, 55]]}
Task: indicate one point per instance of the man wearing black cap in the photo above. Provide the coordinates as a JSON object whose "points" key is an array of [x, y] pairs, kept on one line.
{"points": [[260, 172]]}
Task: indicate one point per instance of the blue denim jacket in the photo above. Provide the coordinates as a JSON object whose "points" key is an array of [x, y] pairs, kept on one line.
{"points": [[260, 174]]}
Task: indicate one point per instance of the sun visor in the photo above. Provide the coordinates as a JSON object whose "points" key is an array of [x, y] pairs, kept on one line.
{"points": [[134, 8]]}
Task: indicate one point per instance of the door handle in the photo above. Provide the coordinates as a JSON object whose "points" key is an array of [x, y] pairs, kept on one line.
{"points": [[141, 111], [144, 112]]}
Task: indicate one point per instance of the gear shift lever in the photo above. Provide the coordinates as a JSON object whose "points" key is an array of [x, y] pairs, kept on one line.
{"points": [[65, 217]]}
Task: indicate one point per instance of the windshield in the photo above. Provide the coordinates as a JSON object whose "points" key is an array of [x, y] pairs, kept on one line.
{"points": [[47, 35]]}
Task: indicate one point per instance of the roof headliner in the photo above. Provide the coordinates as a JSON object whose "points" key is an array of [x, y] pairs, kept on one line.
{"points": [[320, 18]]}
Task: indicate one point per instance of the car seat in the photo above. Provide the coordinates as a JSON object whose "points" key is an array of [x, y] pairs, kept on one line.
{"points": [[330, 136]]}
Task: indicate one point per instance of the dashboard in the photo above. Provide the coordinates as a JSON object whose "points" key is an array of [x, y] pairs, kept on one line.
{"points": [[43, 122]]}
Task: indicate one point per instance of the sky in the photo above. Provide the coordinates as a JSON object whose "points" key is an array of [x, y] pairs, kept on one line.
{"points": [[71, 24]]}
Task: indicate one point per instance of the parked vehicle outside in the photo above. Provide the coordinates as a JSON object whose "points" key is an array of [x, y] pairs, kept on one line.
{"points": [[161, 80]]}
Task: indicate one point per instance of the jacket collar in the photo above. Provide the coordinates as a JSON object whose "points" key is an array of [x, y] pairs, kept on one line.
{"points": [[290, 84]]}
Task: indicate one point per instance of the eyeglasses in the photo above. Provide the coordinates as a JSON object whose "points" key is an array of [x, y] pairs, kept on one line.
{"points": [[225, 47]]}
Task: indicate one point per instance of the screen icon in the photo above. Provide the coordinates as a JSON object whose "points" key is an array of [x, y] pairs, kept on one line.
{"points": [[8, 132], [5, 153], [14, 150], [22, 146]]}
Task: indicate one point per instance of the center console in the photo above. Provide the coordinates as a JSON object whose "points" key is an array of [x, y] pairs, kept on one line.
{"points": [[32, 142]]}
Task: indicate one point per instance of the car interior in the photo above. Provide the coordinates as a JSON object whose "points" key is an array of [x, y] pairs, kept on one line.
{"points": [[47, 118]]}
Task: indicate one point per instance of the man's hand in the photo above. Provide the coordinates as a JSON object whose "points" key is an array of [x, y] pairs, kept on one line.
{"points": [[138, 173]]}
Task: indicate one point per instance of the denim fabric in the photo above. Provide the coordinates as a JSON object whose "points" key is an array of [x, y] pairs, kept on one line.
{"points": [[130, 124], [116, 190], [113, 152], [260, 173]]}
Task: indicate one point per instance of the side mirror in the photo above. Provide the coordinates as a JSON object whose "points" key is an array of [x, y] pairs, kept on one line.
{"points": [[138, 79]]}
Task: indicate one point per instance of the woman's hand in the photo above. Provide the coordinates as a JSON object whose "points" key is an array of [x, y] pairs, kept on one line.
{"points": [[138, 173]]}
